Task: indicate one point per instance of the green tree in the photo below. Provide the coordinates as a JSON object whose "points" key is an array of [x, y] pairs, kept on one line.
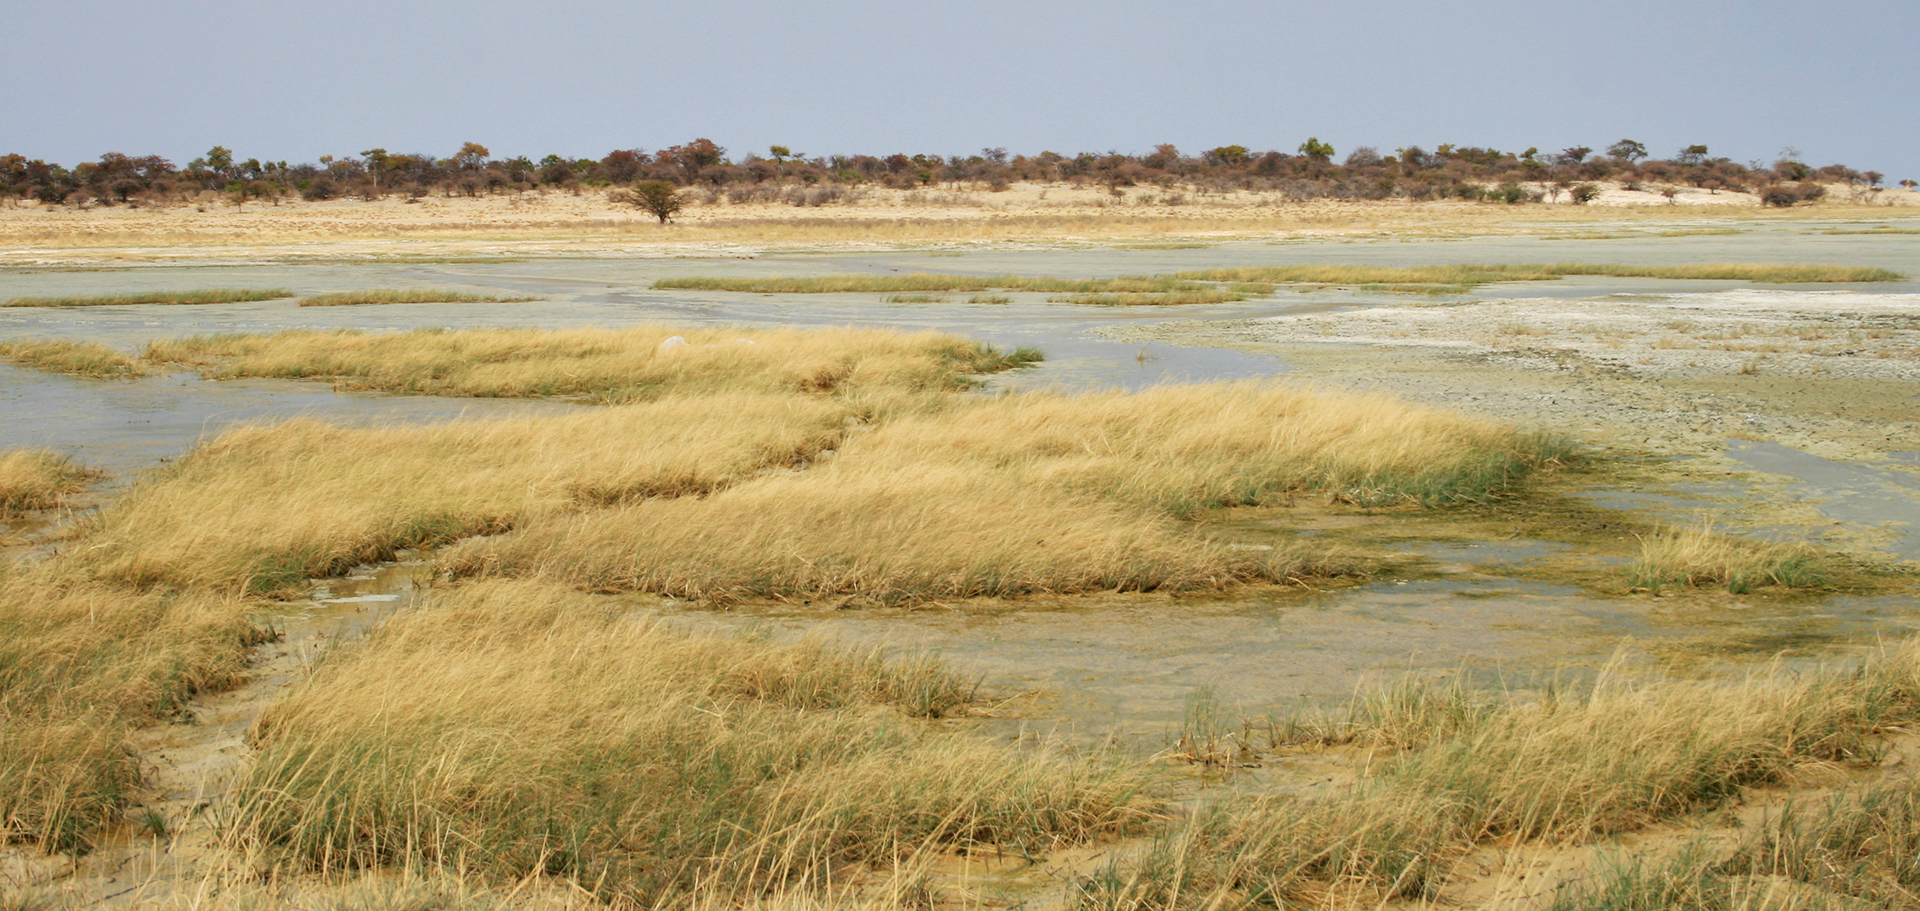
{"points": [[1627, 150], [658, 197], [1692, 155], [1315, 149]]}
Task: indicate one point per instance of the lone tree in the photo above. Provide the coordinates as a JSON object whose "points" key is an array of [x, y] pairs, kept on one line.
{"points": [[1627, 150], [656, 196]]}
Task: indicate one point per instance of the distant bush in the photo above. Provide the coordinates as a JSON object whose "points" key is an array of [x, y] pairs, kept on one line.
{"points": [[1584, 193], [1782, 195], [320, 189]]}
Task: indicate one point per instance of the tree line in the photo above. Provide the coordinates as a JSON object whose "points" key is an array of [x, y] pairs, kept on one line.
{"points": [[1313, 170]]}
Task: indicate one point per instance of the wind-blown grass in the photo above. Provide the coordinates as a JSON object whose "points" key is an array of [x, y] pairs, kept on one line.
{"points": [[80, 664], [1067, 494], [39, 479], [1567, 769], [607, 364], [406, 296], [1697, 556], [76, 358], [263, 508], [455, 736], [233, 296]]}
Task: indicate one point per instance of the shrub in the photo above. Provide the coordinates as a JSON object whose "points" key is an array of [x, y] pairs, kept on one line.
{"points": [[1585, 193], [657, 197], [320, 189]]}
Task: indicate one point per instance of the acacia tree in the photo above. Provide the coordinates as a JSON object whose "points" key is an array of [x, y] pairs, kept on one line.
{"points": [[658, 197], [1627, 150]]}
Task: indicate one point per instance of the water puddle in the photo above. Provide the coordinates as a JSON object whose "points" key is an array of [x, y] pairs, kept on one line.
{"points": [[1873, 498], [125, 425]]}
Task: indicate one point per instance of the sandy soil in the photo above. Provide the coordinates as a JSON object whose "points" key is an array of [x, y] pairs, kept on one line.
{"points": [[590, 222]]}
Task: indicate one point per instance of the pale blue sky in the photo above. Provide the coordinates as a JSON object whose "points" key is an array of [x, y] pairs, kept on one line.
{"points": [[583, 77]]}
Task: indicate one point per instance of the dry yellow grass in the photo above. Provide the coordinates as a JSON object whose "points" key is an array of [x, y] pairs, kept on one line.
{"points": [[80, 664], [39, 479], [1697, 555], [607, 364], [1564, 769], [263, 508], [1178, 449], [76, 358], [906, 533], [1027, 493], [518, 728]]}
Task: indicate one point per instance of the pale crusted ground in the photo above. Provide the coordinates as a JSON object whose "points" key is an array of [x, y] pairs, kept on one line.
{"points": [[590, 222], [1835, 373]]}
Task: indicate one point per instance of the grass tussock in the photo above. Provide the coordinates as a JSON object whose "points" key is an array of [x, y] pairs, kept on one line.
{"points": [[1065, 494], [1569, 768], [712, 765], [912, 534], [1854, 849], [266, 507], [1697, 556], [230, 296], [76, 358], [633, 364], [80, 664], [39, 479], [406, 296]]}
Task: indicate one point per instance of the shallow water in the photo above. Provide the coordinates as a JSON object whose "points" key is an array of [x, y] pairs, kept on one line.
{"points": [[1095, 664]]}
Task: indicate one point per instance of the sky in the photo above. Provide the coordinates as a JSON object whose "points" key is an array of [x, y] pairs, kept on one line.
{"points": [[1835, 81]]}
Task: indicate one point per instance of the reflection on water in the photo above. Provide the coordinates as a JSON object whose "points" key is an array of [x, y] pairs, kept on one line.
{"points": [[125, 425]]}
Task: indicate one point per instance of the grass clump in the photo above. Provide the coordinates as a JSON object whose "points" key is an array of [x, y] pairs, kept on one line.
{"points": [[76, 358], [39, 479], [616, 365], [266, 507], [1697, 556], [453, 736], [915, 299], [405, 296], [81, 664], [1568, 768], [233, 296], [1070, 493]]}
